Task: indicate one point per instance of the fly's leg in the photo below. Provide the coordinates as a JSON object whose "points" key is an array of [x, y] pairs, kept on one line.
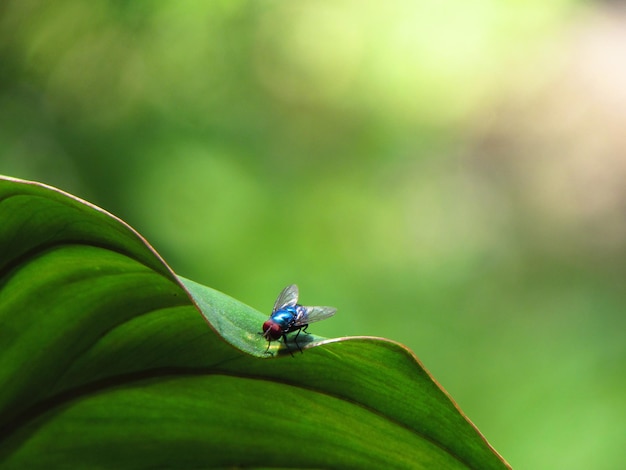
{"points": [[287, 345], [304, 329], [269, 343], [298, 334]]}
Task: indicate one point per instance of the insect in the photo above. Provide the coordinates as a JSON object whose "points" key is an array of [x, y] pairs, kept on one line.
{"points": [[289, 316]]}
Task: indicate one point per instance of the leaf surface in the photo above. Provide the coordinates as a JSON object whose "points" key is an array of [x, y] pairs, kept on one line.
{"points": [[109, 360]]}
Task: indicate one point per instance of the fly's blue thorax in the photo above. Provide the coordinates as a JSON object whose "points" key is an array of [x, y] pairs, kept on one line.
{"points": [[285, 316]]}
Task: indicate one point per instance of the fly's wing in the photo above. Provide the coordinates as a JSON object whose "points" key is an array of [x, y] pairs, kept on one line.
{"points": [[287, 298], [308, 315]]}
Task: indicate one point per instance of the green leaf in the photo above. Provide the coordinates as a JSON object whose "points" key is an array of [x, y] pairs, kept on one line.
{"points": [[109, 360]]}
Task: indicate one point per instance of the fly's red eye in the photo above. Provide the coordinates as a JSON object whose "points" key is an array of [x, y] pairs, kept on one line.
{"points": [[271, 330]]}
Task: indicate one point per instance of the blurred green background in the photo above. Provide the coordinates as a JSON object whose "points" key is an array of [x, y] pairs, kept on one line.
{"points": [[449, 175]]}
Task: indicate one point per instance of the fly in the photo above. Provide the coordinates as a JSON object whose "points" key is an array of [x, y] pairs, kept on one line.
{"points": [[289, 316]]}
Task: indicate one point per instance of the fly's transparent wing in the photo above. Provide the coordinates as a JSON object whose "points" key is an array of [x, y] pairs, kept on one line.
{"points": [[287, 298], [308, 315]]}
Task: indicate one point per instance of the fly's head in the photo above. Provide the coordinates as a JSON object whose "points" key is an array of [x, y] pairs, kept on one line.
{"points": [[272, 330]]}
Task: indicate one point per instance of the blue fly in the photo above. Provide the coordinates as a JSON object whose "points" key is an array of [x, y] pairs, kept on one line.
{"points": [[289, 316]]}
